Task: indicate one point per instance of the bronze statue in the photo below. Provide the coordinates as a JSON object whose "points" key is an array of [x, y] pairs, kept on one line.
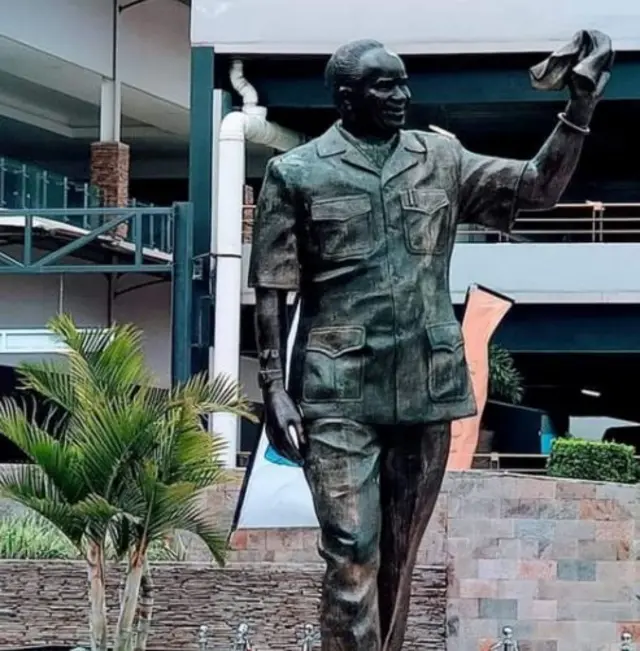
{"points": [[361, 222]]}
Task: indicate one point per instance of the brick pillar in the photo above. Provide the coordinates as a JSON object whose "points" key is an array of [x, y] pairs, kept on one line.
{"points": [[110, 174]]}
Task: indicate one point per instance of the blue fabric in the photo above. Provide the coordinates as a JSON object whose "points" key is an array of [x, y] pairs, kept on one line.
{"points": [[272, 456]]}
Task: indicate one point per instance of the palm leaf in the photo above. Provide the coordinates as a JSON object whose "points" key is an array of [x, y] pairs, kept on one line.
{"points": [[58, 461], [221, 394], [50, 380]]}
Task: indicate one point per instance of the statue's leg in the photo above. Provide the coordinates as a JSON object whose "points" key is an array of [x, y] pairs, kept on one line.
{"points": [[342, 468], [412, 469]]}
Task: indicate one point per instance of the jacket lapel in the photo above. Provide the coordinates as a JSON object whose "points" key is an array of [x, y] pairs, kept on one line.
{"points": [[333, 143], [409, 153]]}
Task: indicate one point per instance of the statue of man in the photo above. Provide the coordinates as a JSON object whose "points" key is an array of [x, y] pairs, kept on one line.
{"points": [[361, 222]]}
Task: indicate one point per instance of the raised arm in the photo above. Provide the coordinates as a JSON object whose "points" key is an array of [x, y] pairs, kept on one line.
{"points": [[493, 190], [548, 173]]}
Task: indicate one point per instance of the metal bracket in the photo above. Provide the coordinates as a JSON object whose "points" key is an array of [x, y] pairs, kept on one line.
{"points": [[199, 267]]}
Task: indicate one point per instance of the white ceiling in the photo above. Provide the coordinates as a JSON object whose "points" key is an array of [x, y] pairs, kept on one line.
{"points": [[55, 96]]}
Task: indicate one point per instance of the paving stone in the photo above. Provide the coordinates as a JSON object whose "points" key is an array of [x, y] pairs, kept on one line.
{"points": [[537, 530], [535, 487], [597, 550], [498, 608], [575, 490], [611, 510], [521, 589], [574, 530], [575, 570], [537, 569], [497, 569]]}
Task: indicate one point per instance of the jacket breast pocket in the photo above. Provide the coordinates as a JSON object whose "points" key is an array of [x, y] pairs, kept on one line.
{"points": [[333, 368], [425, 216], [448, 376], [342, 227]]}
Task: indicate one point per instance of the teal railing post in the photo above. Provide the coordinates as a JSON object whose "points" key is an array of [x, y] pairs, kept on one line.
{"points": [[182, 293]]}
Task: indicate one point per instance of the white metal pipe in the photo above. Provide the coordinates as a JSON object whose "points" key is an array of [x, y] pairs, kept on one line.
{"points": [[235, 130], [226, 345]]}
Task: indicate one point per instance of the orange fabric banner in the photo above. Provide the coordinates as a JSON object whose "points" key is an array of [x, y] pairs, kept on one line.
{"points": [[483, 312]]}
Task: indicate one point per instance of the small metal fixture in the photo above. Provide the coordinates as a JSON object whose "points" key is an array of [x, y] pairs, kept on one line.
{"points": [[203, 638], [507, 643], [626, 642], [242, 642], [310, 638]]}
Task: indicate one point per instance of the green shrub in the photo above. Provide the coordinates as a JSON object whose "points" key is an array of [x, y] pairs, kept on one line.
{"points": [[31, 537], [28, 536], [592, 460]]}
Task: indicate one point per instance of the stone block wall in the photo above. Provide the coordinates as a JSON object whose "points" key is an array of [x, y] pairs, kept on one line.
{"points": [[557, 560], [47, 602]]}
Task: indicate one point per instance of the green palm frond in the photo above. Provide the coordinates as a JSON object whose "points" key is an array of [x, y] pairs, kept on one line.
{"points": [[59, 461], [131, 461], [103, 361], [220, 394], [51, 380], [192, 519]]}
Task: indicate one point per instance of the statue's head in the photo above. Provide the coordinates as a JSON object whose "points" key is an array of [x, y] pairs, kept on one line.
{"points": [[370, 87]]}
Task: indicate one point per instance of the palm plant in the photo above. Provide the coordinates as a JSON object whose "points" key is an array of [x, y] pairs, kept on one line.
{"points": [[505, 381], [116, 464]]}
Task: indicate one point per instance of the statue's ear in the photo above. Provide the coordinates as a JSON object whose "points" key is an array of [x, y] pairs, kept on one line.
{"points": [[344, 98]]}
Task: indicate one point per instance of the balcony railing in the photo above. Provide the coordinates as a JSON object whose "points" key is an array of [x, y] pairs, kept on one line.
{"points": [[28, 187], [590, 222]]}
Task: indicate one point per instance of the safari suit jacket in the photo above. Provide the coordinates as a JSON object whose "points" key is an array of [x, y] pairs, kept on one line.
{"points": [[369, 251]]}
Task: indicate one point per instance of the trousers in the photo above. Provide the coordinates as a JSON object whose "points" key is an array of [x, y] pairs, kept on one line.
{"points": [[374, 489]]}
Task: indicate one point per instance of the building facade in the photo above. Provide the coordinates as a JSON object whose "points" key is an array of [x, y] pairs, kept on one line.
{"points": [[106, 103]]}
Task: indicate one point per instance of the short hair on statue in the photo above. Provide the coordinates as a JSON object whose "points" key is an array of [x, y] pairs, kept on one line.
{"points": [[343, 65]]}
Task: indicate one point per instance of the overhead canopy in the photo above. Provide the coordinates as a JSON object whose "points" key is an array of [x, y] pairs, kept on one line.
{"points": [[419, 27]]}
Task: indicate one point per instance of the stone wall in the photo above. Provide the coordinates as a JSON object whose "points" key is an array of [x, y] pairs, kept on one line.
{"points": [[558, 560], [48, 604]]}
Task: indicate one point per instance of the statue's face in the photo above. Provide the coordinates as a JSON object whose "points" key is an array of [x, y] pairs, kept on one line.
{"points": [[379, 97]]}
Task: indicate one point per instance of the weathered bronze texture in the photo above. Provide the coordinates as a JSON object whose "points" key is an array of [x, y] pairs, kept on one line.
{"points": [[361, 222]]}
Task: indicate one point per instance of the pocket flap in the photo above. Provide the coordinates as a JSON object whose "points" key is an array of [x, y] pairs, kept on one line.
{"points": [[445, 336], [336, 341], [427, 201], [340, 209]]}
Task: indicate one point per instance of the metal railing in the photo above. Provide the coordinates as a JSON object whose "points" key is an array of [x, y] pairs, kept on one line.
{"points": [[29, 187], [593, 222], [522, 464], [589, 222], [24, 186]]}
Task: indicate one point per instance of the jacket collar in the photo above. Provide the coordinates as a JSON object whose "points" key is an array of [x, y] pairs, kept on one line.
{"points": [[409, 151]]}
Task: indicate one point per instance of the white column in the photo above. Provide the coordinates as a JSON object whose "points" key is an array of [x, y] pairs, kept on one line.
{"points": [[110, 110], [111, 89]]}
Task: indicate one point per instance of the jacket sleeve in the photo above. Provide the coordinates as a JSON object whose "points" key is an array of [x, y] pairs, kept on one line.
{"points": [[489, 189], [274, 262]]}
